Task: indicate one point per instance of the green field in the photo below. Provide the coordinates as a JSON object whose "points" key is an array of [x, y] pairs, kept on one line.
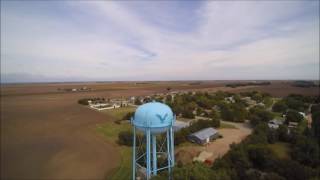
{"points": [[124, 171], [118, 113], [281, 150], [110, 131]]}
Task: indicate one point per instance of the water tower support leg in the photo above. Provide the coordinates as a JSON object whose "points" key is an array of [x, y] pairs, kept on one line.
{"points": [[168, 151], [154, 154], [172, 146], [134, 155], [148, 155]]}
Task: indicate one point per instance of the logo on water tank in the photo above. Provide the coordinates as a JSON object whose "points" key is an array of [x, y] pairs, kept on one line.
{"points": [[162, 118]]}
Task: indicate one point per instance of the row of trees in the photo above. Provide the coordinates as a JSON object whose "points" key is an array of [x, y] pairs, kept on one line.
{"points": [[85, 101], [293, 102], [253, 158]]}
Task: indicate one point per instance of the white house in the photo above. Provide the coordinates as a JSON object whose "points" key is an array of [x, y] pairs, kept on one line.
{"points": [[274, 124]]}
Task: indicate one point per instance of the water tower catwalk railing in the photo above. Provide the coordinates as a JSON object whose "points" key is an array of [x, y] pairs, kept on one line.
{"points": [[151, 142]]}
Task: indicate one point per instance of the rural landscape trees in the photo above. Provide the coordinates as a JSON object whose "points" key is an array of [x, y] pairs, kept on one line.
{"points": [[275, 154]]}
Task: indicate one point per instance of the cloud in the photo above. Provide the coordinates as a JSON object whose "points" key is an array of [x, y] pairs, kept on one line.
{"points": [[118, 41]]}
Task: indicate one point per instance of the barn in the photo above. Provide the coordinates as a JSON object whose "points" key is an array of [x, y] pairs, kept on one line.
{"points": [[204, 136]]}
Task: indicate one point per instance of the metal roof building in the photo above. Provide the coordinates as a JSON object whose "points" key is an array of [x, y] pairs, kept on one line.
{"points": [[204, 136]]}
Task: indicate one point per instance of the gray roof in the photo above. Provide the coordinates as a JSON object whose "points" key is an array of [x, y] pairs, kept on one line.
{"points": [[179, 125], [204, 133], [276, 121]]}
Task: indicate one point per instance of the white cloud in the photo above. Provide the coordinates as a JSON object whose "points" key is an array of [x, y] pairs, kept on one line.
{"points": [[121, 46]]}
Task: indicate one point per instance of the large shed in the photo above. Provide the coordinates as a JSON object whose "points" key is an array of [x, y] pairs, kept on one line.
{"points": [[204, 136]]}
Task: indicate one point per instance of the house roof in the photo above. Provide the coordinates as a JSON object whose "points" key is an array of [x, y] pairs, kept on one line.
{"points": [[276, 121], [204, 133]]}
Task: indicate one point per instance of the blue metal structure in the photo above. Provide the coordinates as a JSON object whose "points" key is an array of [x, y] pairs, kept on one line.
{"points": [[152, 119]]}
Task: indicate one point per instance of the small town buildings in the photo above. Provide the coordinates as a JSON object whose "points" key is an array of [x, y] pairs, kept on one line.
{"points": [[303, 114], [292, 125], [229, 99], [275, 123], [204, 136], [249, 101], [103, 106]]}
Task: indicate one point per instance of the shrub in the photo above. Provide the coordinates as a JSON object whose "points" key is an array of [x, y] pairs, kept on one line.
{"points": [[293, 116], [84, 101], [128, 116], [125, 138]]}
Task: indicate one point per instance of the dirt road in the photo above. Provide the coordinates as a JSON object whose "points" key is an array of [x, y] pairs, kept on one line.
{"points": [[221, 146]]}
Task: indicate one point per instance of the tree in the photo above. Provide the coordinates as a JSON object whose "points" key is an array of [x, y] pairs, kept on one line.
{"points": [[306, 151], [297, 102], [169, 98], [187, 114], [84, 101], [280, 107], [125, 138], [293, 116], [258, 114], [128, 116], [137, 101], [292, 170], [260, 156], [315, 110], [283, 133], [267, 101]]}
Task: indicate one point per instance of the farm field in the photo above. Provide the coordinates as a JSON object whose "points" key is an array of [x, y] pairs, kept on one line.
{"points": [[45, 134]]}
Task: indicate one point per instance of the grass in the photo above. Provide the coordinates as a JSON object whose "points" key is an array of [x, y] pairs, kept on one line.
{"points": [[227, 126], [110, 131], [278, 115], [123, 172], [280, 149], [118, 113], [302, 125]]}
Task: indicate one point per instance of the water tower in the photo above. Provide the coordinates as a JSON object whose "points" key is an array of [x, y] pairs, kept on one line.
{"points": [[152, 139]]}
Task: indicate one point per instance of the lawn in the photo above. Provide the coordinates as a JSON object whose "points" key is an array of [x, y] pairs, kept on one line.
{"points": [[110, 131], [227, 126], [280, 149], [124, 171], [119, 113]]}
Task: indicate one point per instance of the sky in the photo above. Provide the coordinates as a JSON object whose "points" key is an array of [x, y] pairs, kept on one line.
{"points": [[50, 41]]}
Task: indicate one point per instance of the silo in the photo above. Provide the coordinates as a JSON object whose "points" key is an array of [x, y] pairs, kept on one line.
{"points": [[153, 121]]}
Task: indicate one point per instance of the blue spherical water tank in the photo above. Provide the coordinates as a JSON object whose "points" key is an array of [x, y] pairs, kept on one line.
{"points": [[154, 115]]}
